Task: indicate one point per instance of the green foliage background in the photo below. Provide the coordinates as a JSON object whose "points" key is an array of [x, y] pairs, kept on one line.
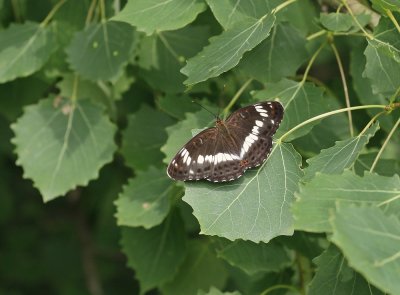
{"points": [[95, 100]]}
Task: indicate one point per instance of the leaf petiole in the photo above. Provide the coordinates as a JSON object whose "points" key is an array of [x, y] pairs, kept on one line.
{"points": [[52, 13]]}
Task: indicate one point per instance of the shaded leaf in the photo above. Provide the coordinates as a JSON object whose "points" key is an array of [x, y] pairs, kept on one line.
{"points": [[177, 106], [253, 258], [101, 51], [383, 59], [370, 241], [362, 85], [200, 270], [141, 146], [295, 96], [24, 49], [342, 155], [226, 50], [162, 55], [335, 277], [63, 144], [157, 253], [255, 207], [276, 57], [382, 5], [385, 167], [151, 16], [146, 199], [318, 197]]}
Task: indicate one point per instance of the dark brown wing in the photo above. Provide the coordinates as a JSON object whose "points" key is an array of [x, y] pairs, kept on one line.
{"points": [[206, 156], [252, 127], [224, 152]]}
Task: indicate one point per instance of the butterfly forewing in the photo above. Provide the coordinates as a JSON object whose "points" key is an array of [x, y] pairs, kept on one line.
{"points": [[224, 152]]}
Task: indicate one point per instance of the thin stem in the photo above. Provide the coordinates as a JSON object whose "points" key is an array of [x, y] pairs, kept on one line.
{"points": [[51, 13], [310, 63], [316, 35], [236, 97], [346, 91], [356, 20], [89, 16], [393, 19], [265, 292], [102, 11], [283, 5], [324, 115], [384, 145], [74, 94]]}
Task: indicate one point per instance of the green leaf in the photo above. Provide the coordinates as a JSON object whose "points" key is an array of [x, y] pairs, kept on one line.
{"points": [[151, 16], [253, 258], [162, 55], [342, 155], [362, 85], [256, 207], [63, 144], [334, 276], [226, 50], [318, 197], [370, 241], [176, 106], [16, 94], [200, 270], [385, 167], [101, 51], [215, 291], [230, 12], [276, 57], [141, 146], [382, 5], [383, 59], [180, 133], [336, 22], [155, 254], [146, 199], [24, 49], [295, 96]]}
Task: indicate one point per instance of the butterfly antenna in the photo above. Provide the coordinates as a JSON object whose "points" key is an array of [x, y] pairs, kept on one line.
{"points": [[216, 116]]}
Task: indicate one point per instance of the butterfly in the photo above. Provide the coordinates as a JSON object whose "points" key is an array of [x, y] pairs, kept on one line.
{"points": [[226, 151]]}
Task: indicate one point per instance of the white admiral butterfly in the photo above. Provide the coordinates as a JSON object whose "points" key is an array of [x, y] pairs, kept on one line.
{"points": [[226, 151]]}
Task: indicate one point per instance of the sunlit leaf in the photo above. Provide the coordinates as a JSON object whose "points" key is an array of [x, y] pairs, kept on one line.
{"points": [[369, 240], [215, 291], [154, 15], [226, 50], [63, 144], [318, 197], [101, 51], [146, 199], [255, 207], [24, 49], [342, 155]]}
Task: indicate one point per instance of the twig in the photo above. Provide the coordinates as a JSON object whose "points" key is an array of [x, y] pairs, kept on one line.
{"points": [[346, 91]]}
